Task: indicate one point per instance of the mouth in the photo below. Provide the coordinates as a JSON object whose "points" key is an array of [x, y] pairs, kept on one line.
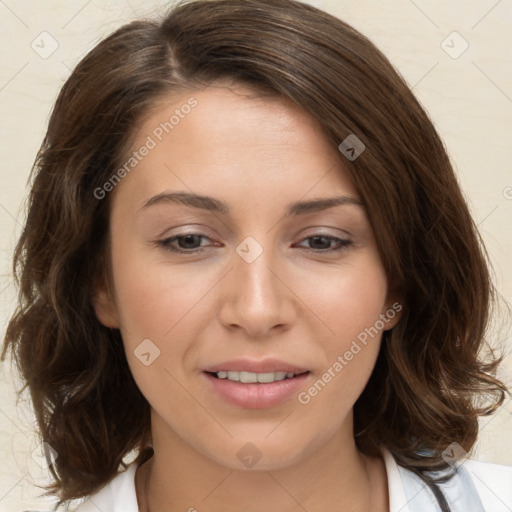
{"points": [[253, 384], [255, 378]]}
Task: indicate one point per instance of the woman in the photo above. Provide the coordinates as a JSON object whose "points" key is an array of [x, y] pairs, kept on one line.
{"points": [[248, 264]]}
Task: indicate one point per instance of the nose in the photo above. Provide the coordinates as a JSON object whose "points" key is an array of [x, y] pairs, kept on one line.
{"points": [[256, 297]]}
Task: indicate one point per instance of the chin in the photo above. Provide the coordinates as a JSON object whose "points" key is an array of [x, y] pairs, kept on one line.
{"points": [[260, 454]]}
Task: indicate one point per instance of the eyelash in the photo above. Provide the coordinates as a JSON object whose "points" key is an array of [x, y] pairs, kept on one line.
{"points": [[166, 244]]}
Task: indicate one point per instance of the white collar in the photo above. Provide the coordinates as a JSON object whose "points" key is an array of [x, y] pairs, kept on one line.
{"points": [[398, 501]]}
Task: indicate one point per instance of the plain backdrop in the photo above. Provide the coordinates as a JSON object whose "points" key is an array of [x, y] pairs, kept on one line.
{"points": [[455, 55]]}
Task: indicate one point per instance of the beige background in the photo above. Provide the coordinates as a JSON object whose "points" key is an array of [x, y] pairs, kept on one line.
{"points": [[469, 97]]}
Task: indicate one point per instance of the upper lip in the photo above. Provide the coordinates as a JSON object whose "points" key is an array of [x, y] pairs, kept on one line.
{"points": [[249, 365]]}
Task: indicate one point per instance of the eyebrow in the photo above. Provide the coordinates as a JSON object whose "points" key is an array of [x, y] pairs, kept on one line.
{"points": [[216, 206]]}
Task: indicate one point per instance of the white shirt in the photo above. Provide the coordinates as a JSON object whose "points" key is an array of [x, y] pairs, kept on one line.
{"points": [[476, 487]]}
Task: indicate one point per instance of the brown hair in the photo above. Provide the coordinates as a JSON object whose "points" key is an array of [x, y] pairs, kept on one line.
{"points": [[429, 385]]}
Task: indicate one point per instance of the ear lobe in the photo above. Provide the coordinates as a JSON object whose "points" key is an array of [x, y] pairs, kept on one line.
{"points": [[105, 308]]}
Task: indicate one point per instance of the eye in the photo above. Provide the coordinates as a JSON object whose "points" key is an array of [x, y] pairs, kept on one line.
{"points": [[324, 243], [187, 243], [191, 243]]}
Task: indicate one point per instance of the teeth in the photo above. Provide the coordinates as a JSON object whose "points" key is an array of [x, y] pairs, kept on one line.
{"points": [[249, 377]]}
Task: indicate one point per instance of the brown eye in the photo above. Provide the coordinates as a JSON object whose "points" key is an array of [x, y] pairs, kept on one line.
{"points": [[324, 243], [190, 242]]}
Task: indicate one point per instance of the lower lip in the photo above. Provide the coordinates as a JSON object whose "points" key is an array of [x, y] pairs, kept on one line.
{"points": [[257, 396]]}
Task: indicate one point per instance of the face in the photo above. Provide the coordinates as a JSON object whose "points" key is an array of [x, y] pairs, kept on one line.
{"points": [[240, 245]]}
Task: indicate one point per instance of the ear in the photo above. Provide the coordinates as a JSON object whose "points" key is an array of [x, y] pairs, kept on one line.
{"points": [[392, 312], [104, 306]]}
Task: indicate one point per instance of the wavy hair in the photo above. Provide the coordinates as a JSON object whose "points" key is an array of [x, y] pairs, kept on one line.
{"points": [[430, 382]]}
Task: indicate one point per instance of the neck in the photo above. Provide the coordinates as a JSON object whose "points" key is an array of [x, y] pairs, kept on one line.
{"points": [[335, 477]]}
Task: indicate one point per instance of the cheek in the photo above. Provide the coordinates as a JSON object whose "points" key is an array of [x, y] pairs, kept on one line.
{"points": [[349, 299], [154, 299], [350, 305], [170, 307], [160, 313]]}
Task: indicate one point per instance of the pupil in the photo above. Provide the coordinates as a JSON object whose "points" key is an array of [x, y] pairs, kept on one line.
{"points": [[188, 241], [315, 239]]}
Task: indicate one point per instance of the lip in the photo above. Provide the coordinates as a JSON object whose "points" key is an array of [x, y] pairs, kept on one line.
{"points": [[256, 396], [250, 365]]}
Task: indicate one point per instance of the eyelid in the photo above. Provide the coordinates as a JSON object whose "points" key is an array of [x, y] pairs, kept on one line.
{"points": [[189, 229]]}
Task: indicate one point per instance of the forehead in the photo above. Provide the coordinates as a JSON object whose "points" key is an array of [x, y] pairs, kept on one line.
{"points": [[226, 139]]}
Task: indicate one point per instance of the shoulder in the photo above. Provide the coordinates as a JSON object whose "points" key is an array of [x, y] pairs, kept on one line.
{"points": [[118, 495], [493, 483], [474, 487]]}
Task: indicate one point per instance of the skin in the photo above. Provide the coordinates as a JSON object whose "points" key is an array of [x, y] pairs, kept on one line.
{"points": [[298, 302]]}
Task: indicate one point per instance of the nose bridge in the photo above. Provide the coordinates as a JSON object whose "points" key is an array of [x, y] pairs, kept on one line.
{"points": [[252, 267], [255, 298]]}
